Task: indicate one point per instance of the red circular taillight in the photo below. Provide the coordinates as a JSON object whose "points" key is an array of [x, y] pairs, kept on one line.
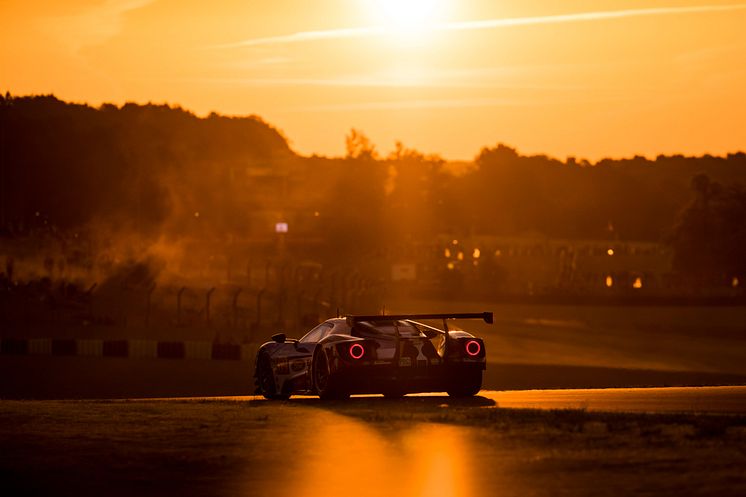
{"points": [[356, 351], [473, 348]]}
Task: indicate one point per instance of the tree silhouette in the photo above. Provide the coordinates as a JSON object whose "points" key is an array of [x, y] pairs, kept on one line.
{"points": [[710, 237], [359, 146], [151, 168]]}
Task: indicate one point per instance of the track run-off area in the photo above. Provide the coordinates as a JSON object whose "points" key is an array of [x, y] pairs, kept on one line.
{"points": [[662, 441]]}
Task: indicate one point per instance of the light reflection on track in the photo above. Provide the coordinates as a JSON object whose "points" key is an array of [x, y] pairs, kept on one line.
{"points": [[419, 460], [440, 459]]}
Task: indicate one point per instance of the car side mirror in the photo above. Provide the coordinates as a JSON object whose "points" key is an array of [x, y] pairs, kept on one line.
{"points": [[279, 337]]}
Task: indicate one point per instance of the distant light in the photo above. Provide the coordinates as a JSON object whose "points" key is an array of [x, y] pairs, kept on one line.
{"points": [[455, 242], [450, 266], [609, 281], [475, 263], [734, 282], [196, 214], [476, 253], [610, 251], [447, 252], [281, 227], [460, 256], [637, 283], [37, 213], [498, 253], [316, 213]]}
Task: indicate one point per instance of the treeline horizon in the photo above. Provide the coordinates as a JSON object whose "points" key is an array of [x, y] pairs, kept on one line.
{"points": [[9, 100], [156, 169]]}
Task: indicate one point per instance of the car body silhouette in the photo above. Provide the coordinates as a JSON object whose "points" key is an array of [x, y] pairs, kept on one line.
{"points": [[393, 355]]}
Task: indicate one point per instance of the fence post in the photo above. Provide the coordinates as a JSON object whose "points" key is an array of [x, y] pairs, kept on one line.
{"points": [[281, 296], [235, 307], [267, 265], [207, 306], [259, 295], [333, 302], [281, 276], [178, 305], [148, 305]]}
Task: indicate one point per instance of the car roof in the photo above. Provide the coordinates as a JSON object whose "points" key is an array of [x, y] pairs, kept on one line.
{"points": [[336, 320], [341, 326]]}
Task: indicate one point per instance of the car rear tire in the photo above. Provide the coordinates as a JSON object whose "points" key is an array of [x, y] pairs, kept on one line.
{"points": [[324, 382], [467, 383], [265, 379]]}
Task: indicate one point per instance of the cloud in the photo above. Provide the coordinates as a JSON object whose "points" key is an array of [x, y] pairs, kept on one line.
{"points": [[342, 81], [536, 98], [92, 26], [414, 104], [366, 32], [330, 34], [483, 77]]}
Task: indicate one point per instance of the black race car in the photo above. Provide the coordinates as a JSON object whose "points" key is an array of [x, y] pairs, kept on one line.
{"points": [[392, 355]]}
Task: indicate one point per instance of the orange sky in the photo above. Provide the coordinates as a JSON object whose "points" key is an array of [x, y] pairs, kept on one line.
{"points": [[588, 79]]}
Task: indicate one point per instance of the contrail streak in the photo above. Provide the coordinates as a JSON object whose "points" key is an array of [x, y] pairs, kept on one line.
{"points": [[329, 34], [589, 16], [365, 32]]}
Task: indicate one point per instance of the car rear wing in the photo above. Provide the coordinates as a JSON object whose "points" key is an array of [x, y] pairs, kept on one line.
{"points": [[486, 316]]}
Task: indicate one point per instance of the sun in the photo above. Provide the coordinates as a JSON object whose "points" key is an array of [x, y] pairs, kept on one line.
{"points": [[407, 17], [410, 14]]}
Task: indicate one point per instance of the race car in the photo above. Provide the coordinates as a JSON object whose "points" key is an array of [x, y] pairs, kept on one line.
{"points": [[391, 355]]}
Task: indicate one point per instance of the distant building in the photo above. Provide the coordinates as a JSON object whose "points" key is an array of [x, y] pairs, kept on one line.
{"points": [[540, 265]]}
